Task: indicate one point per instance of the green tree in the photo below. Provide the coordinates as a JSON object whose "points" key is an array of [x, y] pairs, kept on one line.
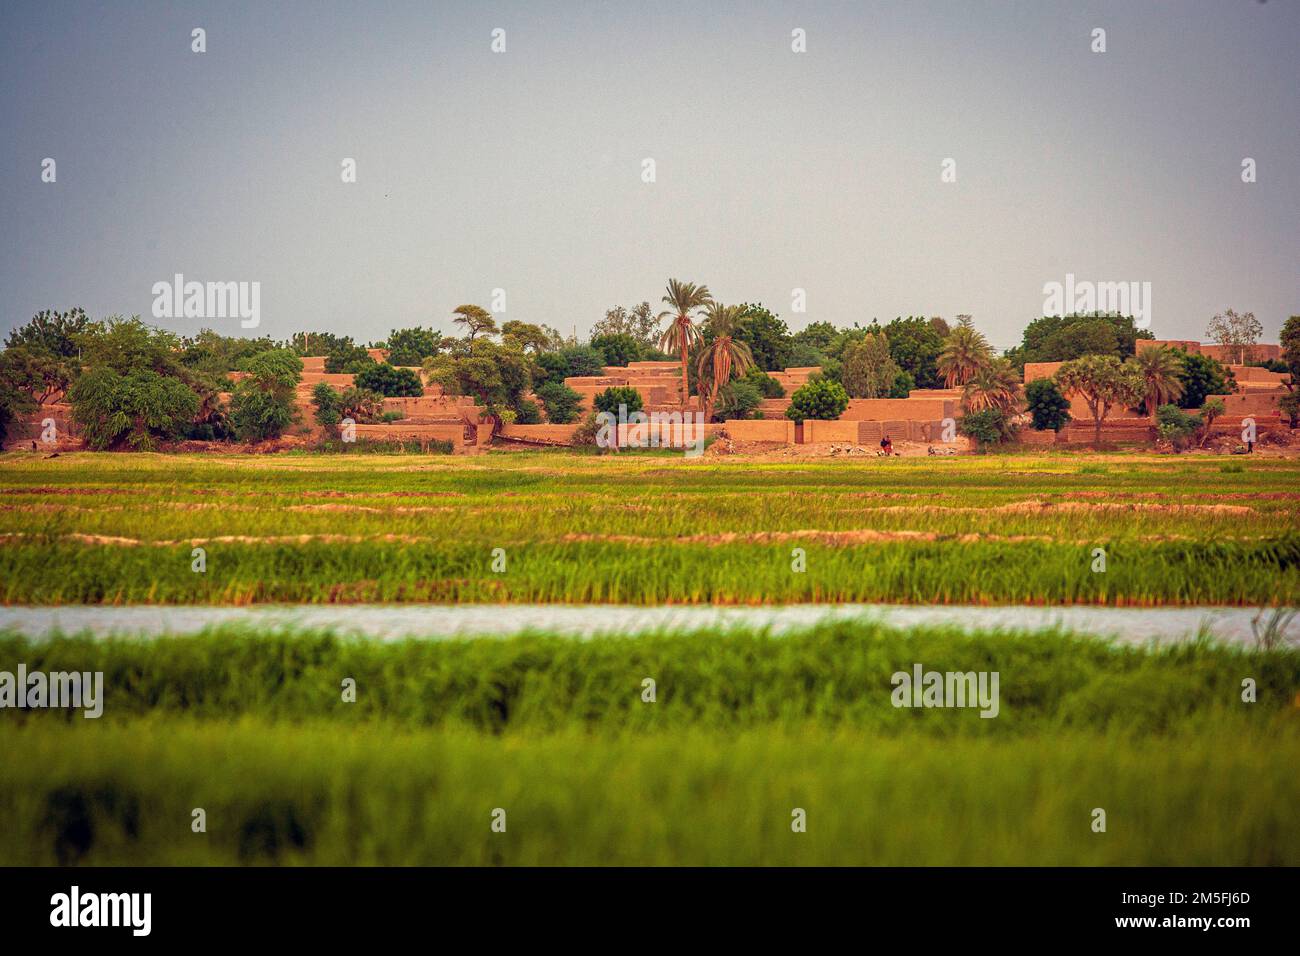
{"points": [[965, 352], [820, 399], [766, 335], [412, 346], [329, 405], [132, 410], [1161, 370], [683, 299], [1103, 381], [915, 344], [617, 348], [738, 399], [37, 373], [724, 356], [611, 398], [869, 369], [476, 319], [389, 381], [55, 332], [561, 402], [264, 404], [1202, 376], [995, 385], [639, 322], [1176, 426], [1049, 408]]}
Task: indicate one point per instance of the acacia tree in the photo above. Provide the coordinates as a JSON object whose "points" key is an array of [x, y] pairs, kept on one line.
{"points": [[1237, 331], [1104, 382], [37, 373], [476, 319], [683, 298]]}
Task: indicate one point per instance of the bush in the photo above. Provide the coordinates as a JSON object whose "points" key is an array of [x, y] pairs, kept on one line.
{"points": [[820, 399], [329, 405], [361, 405], [1203, 376], [1049, 408], [767, 386], [527, 413], [903, 385], [388, 381], [412, 346], [264, 404], [135, 410], [611, 398], [395, 415], [988, 427], [347, 358], [561, 402], [738, 399], [1176, 426]]}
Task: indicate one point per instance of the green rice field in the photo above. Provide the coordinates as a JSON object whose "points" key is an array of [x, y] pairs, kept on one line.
{"points": [[653, 529], [744, 729]]}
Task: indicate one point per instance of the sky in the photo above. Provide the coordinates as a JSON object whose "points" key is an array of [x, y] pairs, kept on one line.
{"points": [[774, 170]]}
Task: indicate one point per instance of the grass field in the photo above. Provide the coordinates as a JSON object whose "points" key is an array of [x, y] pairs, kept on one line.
{"points": [[87, 528], [744, 728]]}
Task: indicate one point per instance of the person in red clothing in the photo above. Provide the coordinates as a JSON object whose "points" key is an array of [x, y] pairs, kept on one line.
{"points": [[886, 446]]}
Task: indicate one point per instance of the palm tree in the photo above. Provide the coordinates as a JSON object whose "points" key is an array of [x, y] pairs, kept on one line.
{"points": [[965, 353], [1161, 372], [683, 299], [995, 385], [725, 356]]}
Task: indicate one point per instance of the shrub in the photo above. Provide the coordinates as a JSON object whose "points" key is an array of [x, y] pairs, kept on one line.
{"points": [[820, 399], [1176, 426], [767, 386], [988, 427], [135, 410], [1049, 408], [1203, 376], [527, 413], [264, 404], [561, 402], [394, 415], [412, 346], [903, 385], [329, 405], [611, 398], [738, 399], [345, 357], [361, 405], [388, 381]]}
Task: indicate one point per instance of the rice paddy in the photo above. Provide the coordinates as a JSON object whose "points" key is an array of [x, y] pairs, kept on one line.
{"points": [[551, 527]]}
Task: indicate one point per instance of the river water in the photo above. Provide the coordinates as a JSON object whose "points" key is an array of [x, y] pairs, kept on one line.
{"points": [[394, 622]]}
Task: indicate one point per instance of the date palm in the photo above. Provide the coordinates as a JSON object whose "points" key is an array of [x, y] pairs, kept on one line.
{"points": [[725, 356], [965, 353], [683, 298], [996, 385], [1161, 372]]}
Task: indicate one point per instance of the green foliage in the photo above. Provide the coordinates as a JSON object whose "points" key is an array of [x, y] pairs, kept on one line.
{"points": [[1055, 338], [345, 357], [639, 322], [133, 410], [766, 335], [991, 426], [329, 405], [572, 361], [868, 369], [914, 344], [618, 348], [820, 399], [389, 381], [1202, 376], [1176, 426], [412, 346], [264, 405], [35, 372], [215, 355], [57, 333], [738, 399], [561, 402], [611, 398], [128, 345], [527, 413], [1049, 408], [902, 385]]}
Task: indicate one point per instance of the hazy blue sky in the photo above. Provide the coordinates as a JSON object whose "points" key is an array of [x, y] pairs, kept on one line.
{"points": [[775, 170]]}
